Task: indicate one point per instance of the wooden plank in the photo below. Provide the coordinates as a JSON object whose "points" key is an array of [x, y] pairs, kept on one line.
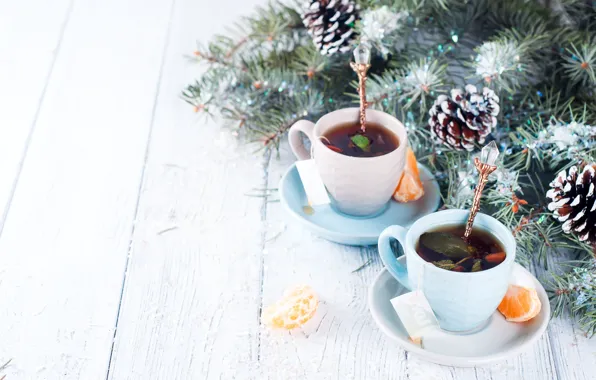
{"points": [[342, 341], [574, 354], [66, 238], [190, 303], [535, 363], [30, 34]]}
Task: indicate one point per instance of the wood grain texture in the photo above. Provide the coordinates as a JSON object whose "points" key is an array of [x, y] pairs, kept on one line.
{"points": [[129, 248], [574, 355], [30, 35], [190, 303], [341, 342], [67, 234]]}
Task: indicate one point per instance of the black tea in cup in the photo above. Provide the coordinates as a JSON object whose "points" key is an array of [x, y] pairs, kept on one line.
{"points": [[446, 248], [350, 140]]}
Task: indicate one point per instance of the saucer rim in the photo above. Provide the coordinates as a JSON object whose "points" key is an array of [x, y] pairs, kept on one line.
{"points": [[320, 231], [461, 361]]}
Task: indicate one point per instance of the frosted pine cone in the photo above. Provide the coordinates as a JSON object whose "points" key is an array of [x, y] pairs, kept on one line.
{"points": [[331, 24], [465, 119], [574, 201]]}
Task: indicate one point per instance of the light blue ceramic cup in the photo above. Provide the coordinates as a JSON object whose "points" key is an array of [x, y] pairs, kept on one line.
{"points": [[461, 301]]}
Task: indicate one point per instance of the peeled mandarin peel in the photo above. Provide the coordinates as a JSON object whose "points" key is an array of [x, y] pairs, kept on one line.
{"points": [[410, 186], [297, 307], [520, 304]]}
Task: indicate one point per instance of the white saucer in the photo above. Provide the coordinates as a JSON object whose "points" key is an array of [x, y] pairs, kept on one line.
{"points": [[497, 341], [329, 224]]}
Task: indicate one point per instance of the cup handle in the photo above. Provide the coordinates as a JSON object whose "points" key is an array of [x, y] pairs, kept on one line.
{"points": [[295, 139], [397, 270]]}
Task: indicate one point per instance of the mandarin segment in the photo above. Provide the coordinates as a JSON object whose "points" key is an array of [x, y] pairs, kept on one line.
{"points": [[520, 304], [410, 186], [296, 307]]}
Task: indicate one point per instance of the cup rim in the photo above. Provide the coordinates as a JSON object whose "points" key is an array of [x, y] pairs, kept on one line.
{"points": [[410, 244], [323, 119]]}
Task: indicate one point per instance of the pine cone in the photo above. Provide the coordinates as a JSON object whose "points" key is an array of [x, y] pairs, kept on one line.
{"points": [[574, 201], [464, 119], [331, 24]]}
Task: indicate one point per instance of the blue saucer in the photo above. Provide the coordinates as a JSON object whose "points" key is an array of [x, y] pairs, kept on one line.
{"points": [[344, 229]]}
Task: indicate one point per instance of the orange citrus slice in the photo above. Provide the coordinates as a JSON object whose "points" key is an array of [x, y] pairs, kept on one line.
{"points": [[297, 306], [520, 304], [410, 186]]}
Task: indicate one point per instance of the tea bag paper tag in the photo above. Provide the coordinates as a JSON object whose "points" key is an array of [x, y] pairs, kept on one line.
{"points": [[415, 314], [313, 184]]}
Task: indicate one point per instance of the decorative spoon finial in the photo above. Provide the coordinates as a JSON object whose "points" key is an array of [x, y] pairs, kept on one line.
{"points": [[361, 65], [485, 165]]}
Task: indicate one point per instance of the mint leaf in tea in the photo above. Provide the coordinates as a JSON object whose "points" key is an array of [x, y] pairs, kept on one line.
{"points": [[361, 141], [447, 249], [350, 140]]}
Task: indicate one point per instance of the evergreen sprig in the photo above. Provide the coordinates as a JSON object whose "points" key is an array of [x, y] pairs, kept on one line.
{"points": [[575, 291], [506, 61], [412, 88], [266, 74], [580, 64], [3, 367]]}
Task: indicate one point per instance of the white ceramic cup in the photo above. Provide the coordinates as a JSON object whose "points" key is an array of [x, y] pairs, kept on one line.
{"points": [[359, 186]]}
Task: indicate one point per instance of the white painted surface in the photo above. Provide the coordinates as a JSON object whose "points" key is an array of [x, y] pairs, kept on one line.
{"points": [[30, 39], [98, 83], [66, 236]]}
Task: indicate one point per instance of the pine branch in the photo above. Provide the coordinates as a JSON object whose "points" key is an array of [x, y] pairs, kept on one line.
{"points": [[407, 5], [580, 64], [530, 18], [555, 143], [268, 128], [403, 88], [274, 28], [310, 63], [577, 14], [267, 74], [384, 29], [213, 55], [506, 62], [575, 291], [207, 92], [3, 367]]}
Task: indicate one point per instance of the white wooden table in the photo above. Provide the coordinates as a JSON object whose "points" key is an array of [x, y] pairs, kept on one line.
{"points": [[128, 249]]}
